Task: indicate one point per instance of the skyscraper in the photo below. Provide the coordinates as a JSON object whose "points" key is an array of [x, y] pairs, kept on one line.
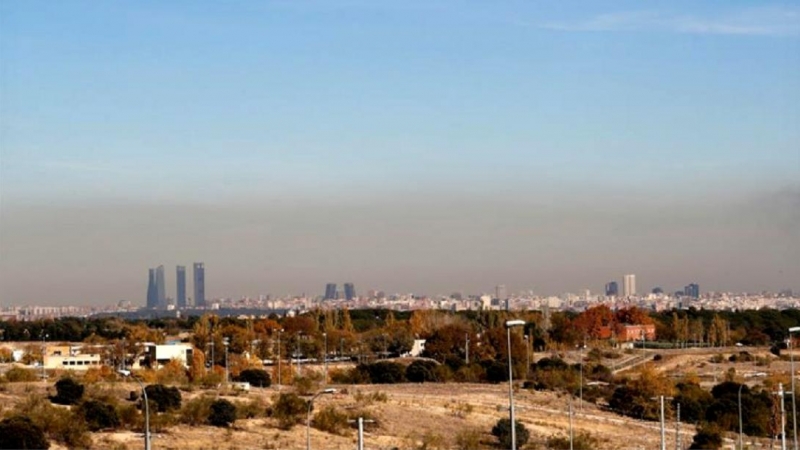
{"points": [[330, 291], [612, 289], [628, 285], [161, 288], [692, 290], [349, 291], [199, 274], [180, 277], [152, 296], [500, 291]]}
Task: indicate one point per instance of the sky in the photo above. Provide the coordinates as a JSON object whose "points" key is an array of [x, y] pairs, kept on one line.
{"points": [[416, 146]]}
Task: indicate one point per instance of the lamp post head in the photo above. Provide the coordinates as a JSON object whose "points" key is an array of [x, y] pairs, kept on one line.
{"points": [[124, 372], [514, 323], [794, 329], [329, 391]]}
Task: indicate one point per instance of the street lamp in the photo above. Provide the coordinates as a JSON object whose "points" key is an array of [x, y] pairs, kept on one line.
{"points": [[794, 402], [325, 357], [527, 358], [226, 342], [280, 332], [44, 352], [308, 416], [127, 373], [510, 324], [741, 432]]}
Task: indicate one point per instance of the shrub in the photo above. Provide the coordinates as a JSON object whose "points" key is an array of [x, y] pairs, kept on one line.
{"points": [[708, 437], [348, 376], [20, 375], [385, 372], [59, 424], [165, 398], [289, 409], [502, 430], [496, 371], [19, 432], [583, 441], [421, 371], [196, 411], [68, 392], [251, 409], [256, 377], [98, 415], [331, 420], [223, 413]]}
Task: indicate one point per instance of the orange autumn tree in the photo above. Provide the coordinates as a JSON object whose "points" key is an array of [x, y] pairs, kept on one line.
{"points": [[592, 322]]}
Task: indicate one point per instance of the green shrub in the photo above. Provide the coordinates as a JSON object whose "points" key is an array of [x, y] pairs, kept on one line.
{"points": [[502, 431], [68, 392], [19, 432], [165, 398], [20, 375], [468, 439], [196, 411], [250, 410], [289, 409], [98, 415], [256, 377], [385, 372], [223, 413], [59, 424], [708, 437], [331, 420], [421, 371]]}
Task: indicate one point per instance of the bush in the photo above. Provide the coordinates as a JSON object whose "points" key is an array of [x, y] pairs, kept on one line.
{"points": [[68, 392], [20, 375], [348, 376], [583, 441], [331, 420], [59, 424], [468, 439], [502, 430], [289, 409], [196, 411], [19, 432], [385, 372], [256, 377], [98, 415], [421, 371], [165, 398], [708, 437], [223, 413]]}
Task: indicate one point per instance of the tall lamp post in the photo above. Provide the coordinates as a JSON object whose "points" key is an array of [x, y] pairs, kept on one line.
{"points": [[527, 357], [325, 358], [127, 373], [280, 332], [226, 342], [510, 324], [44, 352], [308, 416], [741, 432], [794, 402]]}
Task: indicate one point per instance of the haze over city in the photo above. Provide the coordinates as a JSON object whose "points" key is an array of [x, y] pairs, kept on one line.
{"points": [[423, 147]]}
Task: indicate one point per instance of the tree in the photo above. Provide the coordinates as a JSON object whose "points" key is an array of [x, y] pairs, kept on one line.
{"points": [[256, 377], [165, 398], [223, 413], [502, 431], [68, 392], [592, 321], [289, 409], [19, 432], [421, 371], [385, 372], [708, 437], [98, 415]]}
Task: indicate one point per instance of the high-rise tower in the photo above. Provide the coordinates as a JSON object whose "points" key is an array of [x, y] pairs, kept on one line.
{"points": [[349, 291], [629, 285], [180, 277], [199, 273], [161, 287], [612, 289], [152, 295], [330, 291]]}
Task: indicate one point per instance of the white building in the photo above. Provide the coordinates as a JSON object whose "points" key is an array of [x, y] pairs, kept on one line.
{"points": [[157, 356], [629, 285]]}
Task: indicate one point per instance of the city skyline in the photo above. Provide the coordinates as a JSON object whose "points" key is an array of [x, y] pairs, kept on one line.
{"points": [[422, 147]]}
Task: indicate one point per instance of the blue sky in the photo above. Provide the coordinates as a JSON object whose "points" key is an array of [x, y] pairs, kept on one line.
{"points": [[360, 106]]}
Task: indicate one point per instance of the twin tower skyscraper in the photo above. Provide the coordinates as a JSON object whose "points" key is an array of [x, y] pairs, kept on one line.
{"points": [[156, 287]]}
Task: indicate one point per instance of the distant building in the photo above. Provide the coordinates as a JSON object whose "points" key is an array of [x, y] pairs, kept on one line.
{"points": [[692, 290], [156, 356], [657, 290], [180, 277], [152, 295], [612, 289], [199, 274], [69, 358], [629, 285], [349, 291], [161, 287], [330, 291]]}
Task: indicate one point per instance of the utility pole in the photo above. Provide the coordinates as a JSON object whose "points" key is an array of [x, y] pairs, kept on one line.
{"points": [[782, 394], [678, 428], [466, 348], [663, 432], [361, 423]]}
